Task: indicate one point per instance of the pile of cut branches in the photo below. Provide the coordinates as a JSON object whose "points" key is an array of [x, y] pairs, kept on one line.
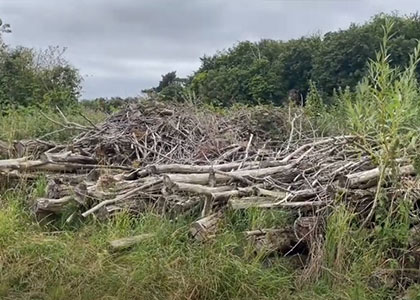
{"points": [[158, 133], [180, 161]]}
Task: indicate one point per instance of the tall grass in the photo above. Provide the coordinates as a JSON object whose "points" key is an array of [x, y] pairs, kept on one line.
{"points": [[38, 262], [30, 122], [384, 112]]}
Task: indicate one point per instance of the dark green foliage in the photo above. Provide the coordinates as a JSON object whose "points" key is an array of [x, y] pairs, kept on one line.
{"points": [[272, 71], [343, 55], [253, 73], [169, 88], [28, 77], [167, 80]]}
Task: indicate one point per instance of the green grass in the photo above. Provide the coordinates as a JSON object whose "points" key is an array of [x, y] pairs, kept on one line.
{"points": [[29, 123], [75, 262]]}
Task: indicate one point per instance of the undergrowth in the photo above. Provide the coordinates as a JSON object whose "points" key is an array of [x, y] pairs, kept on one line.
{"points": [[71, 262]]}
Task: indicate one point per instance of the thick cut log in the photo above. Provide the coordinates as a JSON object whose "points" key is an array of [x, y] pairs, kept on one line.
{"points": [[267, 202], [31, 147], [122, 197], [188, 169], [23, 164], [194, 188], [203, 178], [273, 194], [52, 205], [56, 189], [273, 240], [370, 178], [67, 157], [205, 228], [239, 192], [5, 149], [248, 202], [128, 242]]}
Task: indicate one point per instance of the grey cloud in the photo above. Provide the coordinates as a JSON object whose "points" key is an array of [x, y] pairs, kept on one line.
{"points": [[124, 46]]}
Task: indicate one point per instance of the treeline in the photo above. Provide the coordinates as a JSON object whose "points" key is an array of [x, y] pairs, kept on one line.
{"points": [[266, 71], [272, 71], [35, 77]]}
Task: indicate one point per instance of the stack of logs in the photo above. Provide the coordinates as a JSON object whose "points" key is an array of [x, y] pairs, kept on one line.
{"points": [[141, 167]]}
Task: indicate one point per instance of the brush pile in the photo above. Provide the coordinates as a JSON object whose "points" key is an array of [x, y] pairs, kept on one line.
{"points": [[181, 160]]}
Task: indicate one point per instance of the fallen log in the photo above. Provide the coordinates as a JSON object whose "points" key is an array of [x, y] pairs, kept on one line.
{"points": [[5, 149], [259, 232], [273, 194], [68, 157], [249, 202], [205, 228], [122, 197], [52, 205], [369, 178], [7, 176], [267, 202], [194, 188], [273, 240], [24, 164], [32, 148], [203, 178], [188, 169], [239, 192], [125, 243]]}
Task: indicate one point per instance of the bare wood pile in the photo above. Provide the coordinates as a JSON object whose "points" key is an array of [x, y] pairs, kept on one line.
{"points": [[158, 133], [180, 162]]}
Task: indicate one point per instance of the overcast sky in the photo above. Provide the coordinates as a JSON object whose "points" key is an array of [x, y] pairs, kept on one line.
{"points": [[123, 46]]}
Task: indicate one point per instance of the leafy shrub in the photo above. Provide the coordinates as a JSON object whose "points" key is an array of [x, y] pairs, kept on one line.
{"points": [[29, 77]]}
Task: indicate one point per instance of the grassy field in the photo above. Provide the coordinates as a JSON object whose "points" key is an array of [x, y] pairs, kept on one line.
{"points": [[75, 262]]}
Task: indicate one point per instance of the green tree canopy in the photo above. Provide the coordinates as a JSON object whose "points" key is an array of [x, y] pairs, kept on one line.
{"points": [[29, 77], [272, 71]]}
